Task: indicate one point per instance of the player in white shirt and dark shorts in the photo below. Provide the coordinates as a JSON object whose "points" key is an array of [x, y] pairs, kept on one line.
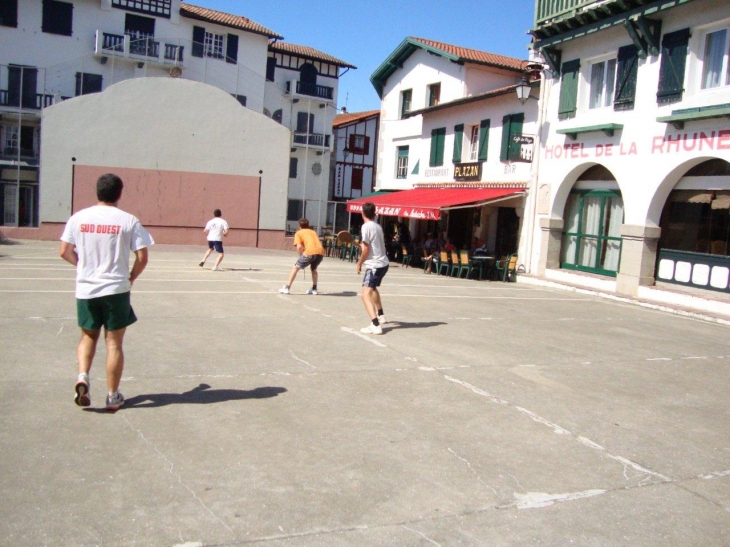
{"points": [[98, 241], [215, 230], [375, 260]]}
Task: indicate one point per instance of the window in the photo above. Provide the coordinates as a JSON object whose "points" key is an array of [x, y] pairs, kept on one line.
{"points": [[359, 144], [231, 48], [57, 17], [213, 45], [671, 70], [159, 8], [9, 13], [626, 75], [22, 86], [356, 180], [141, 32], [293, 162], [602, 83], [87, 83], [568, 89], [277, 115], [697, 221], [511, 127], [295, 209], [405, 102], [241, 99], [270, 68], [402, 167], [434, 94], [592, 237], [438, 137], [10, 143], [715, 63], [473, 142], [302, 125]]}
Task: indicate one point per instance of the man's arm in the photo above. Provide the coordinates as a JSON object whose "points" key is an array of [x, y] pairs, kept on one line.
{"points": [[300, 248], [363, 255], [68, 253], [140, 262]]}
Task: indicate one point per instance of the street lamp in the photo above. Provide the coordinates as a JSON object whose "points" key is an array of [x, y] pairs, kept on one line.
{"points": [[523, 89]]}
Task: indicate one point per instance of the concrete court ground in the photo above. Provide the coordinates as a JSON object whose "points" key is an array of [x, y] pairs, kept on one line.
{"points": [[487, 414]]}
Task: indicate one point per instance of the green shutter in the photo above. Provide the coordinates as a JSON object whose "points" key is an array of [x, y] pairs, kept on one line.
{"points": [[671, 71], [504, 151], [568, 89], [415, 169], [458, 139], [627, 72], [483, 139], [438, 137], [515, 129]]}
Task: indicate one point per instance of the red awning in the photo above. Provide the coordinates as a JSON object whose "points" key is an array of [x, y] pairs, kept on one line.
{"points": [[427, 203]]}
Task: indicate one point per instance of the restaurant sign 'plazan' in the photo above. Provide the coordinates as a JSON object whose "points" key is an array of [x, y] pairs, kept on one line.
{"points": [[404, 212], [468, 171]]}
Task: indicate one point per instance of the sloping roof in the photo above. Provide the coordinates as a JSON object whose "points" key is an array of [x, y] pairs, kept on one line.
{"points": [[307, 52], [226, 19], [352, 117], [454, 53]]}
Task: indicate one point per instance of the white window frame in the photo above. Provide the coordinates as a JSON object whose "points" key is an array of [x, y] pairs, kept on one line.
{"points": [[608, 76], [213, 45], [11, 137], [725, 68], [473, 152], [429, 92], [584, 85], [401, 164], [695, 61]]}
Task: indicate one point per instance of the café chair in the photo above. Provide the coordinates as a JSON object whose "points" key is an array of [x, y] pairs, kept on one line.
{"points": [[454, 258], [507, 268], [427, 261], [443, 263], [465, 264], [405, 259]]}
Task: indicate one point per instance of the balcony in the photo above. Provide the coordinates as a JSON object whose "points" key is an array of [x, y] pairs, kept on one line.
{"points": [[32, 101], [316, 140], [12, 152], [546, 10], [309, 90], [138, 49]]}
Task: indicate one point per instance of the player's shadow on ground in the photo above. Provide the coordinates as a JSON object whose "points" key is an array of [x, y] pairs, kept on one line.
{"points": [[343, 293], [242, 269], [403, 325], [201, 395]]}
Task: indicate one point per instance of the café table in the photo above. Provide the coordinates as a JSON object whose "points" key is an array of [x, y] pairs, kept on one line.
{"points": [[484, 263]]}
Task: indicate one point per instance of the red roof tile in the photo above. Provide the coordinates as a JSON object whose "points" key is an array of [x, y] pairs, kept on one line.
{"points": [[226, 19], [474, 55], [306, 51], [350, 117]]}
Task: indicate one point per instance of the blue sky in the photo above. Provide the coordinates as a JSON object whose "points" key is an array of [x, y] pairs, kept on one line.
{"points": [[364, 33]]}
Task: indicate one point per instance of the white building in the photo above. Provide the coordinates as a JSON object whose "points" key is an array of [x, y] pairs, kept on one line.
{"points": [[55, 50], [449, 118], [634, 174], [301, 94]]}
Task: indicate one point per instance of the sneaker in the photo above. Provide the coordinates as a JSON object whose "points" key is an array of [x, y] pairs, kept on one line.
{"points": [[381, 319], [215, 269], [114, 401], [284, 290], [312, 291], [201, 263], [372, 329], [82, 391]]}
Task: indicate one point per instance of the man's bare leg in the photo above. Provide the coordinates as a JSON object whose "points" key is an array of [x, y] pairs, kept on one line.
{"points": [[220, 259], [292, 276], [375, 298], [315, 277], [114, 358], [86, 349], [206, 256], [367, 299]]}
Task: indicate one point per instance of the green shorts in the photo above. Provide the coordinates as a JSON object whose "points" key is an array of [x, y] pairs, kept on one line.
{"points": [[113, 312]]}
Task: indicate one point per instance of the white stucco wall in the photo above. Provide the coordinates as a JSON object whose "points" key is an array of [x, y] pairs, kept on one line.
{"points": [[166, 124]]}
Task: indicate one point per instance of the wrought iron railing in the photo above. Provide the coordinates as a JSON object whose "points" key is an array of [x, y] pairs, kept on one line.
{"points": [[312, 139], [314, 90], [704, 271], [113, 42], [34, 101], [173, 53]]}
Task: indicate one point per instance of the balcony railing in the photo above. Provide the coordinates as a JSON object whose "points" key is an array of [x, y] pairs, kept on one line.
{"points": [[34, 101], [312, 139], [137, 48], [704, 271], [11, 151], [311, 90], [546, 10]]}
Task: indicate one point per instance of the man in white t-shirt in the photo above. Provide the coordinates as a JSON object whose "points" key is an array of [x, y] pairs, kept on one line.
{"points": [[98, 241], [375, 260], [215, 230]]}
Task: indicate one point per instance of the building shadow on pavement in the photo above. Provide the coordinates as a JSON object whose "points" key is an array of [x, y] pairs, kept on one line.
{"points": [[201, 395]]}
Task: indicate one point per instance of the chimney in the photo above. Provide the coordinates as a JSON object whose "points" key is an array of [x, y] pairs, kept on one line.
{"points": [[343, 110]]}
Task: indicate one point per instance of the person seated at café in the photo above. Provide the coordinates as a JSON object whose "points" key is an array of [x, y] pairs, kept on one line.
{"points": [[448, 246], [430, 251]]}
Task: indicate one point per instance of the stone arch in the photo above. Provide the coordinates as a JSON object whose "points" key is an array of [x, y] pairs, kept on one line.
{"points": [[569, 181]]}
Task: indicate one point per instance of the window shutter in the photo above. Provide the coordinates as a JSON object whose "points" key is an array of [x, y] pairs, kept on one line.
{"points": [[483, 139], [415, 169], [437, 147], [504, 150], [65, 16], [301, 122], [568, 89], [198, 41], [293, 168], [351, 143], [232, 49], [627, 71], [458, 139], [515, 129], [671, 71], [9, 13]]}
